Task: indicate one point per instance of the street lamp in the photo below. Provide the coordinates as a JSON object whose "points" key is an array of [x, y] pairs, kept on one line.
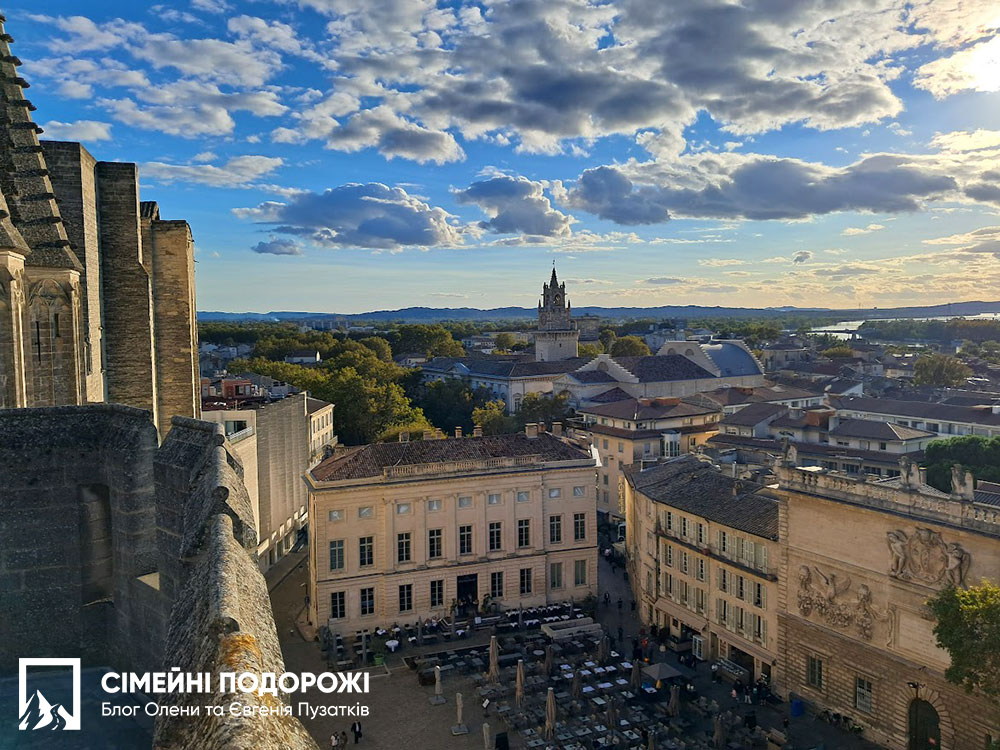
{"points": [[915, 687]]}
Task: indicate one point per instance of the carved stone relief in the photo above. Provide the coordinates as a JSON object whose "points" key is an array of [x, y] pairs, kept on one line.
{"points": [[822, 594], [924, 557]]}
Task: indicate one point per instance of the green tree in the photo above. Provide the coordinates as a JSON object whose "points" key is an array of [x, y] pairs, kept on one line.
{"points": [[449, 404], [544, 408], [607, 338], [629, 346], [968, 628], [492, 417], [939, 370], [505, 341], [378, 345], [590, 350], [835, 352], [978, 454]]}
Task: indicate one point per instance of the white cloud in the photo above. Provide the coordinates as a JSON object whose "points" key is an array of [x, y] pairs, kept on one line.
{"points": [[369, 215], [277, 247], [967, 140], [515, 204], [240, 171], [80, 130], [975, 68], [720, 262], [853, 231]]}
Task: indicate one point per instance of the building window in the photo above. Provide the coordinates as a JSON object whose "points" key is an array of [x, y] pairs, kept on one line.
{"points": [[580, 573], [525, 581], [338, 605], [465, 540], [579, 491], [496, 536], [465, 502], [555, 492], [402, 509], [882, 446], [523, 497], [670, 556], [579, 527], [605, 442], [759, 595], [722, 611], [863, 694], [684, 526], [368, 601], [814, 675], [701, 568], [337, 554], [496, 585], [701, 533], [621, 447], [335, 515], [406, 597], [437, 593], [723, 542], [493, 499], [555, 575], [684, 561], [366, 511], [524, 532], [555, 529], [403, 547], [434, 546], [366, 551], [434, 504]]}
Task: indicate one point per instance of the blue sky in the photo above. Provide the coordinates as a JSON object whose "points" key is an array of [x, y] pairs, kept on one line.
{"points": [[340, 156]]}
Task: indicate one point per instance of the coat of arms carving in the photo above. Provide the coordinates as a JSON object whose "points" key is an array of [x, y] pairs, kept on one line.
{"points": [[924, 557]]}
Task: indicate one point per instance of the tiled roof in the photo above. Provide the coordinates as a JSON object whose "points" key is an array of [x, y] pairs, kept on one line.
{"points": [[870, 429], [656, 369], [592, 376], [896, 483], [736, 395], [313, 405], [819, 450], [988, 493], [506, 367], [696, 487], [370, 460], [610, 396], [636, 410], [754, 414], [918, 409]]}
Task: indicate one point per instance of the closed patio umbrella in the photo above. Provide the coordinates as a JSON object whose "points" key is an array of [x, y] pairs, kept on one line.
{"points": [[652, 741], [612, 717], [602, 650], [674, 707], [577, 690], [548, 660], [494, 674], [519, 684], [719, 736], [550, 715], [636, 676]]}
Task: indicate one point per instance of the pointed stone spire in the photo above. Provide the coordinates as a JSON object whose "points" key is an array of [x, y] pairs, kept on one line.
{"points": [[24, 178], [554, 282]]}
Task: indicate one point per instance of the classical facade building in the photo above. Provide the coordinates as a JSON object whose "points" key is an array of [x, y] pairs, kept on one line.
{"points": [[557, 337], [404, 531], [97, 299], [860, 559], [632, 431], [703, 552]]}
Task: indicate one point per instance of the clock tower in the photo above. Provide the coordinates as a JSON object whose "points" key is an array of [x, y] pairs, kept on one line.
{"points": [[557, 337]]}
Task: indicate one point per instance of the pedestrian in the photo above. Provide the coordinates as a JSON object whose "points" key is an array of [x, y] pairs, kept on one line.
{"points": [[746, 696], [607, 599], [343, 738], [621, 634], [619, 604], [334, 740], [715, 672], [633, 605], [784, 725], [356, 729], [734, 695]]}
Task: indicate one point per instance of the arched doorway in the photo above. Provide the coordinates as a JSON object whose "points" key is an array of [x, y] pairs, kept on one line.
{"points": [[925, 729]]}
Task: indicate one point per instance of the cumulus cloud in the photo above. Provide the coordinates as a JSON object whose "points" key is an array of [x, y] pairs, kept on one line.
{"points": [[853, 231], [974, 68], [663, 281], [277, 247], [240, 171], [802, 256], [370, 215], [983, 240], [720, 262], [515, 204], [80, 130]]}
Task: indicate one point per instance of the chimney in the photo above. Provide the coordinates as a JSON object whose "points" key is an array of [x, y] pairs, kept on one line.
{"points": [[477, 431], [458, 431], [557, 429], [531, 430], [428, 434], [404, 437]]}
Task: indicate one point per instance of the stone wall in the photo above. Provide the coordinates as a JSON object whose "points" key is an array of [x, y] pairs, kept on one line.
{"points": [[71, 170], [128, 306]]}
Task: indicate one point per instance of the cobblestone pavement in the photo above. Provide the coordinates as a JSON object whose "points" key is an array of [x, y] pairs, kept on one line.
{"points": [[400, 715]]}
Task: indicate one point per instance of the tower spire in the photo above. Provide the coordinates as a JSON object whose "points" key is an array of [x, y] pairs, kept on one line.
{"points": [[24, 178]]}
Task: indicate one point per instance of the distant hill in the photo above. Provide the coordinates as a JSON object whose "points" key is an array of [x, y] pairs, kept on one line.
{"points": [[437, 314]]}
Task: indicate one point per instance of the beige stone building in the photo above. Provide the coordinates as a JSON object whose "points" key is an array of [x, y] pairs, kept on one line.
{"points": [[277, 443], [402, 531], [97, 300], [861, 558], [631, 431], [702, 553]]}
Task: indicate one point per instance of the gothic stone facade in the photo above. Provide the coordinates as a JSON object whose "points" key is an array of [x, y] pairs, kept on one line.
{"points": [[97, 298], [860, 560], [557, 337]]}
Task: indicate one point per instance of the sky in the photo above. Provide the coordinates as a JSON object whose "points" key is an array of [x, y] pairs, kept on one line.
{"points": [[344, 156]]}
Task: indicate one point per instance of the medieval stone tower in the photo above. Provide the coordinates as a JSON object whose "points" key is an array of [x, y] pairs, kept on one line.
{"points": [[556, 337], [97, 296]]}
